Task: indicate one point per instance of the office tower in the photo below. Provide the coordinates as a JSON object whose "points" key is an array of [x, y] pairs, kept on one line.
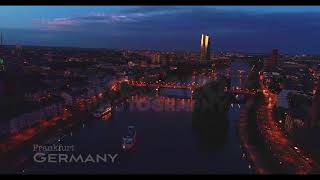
{"points": [[205, 48], [155, 58], [272, 61], [274, 57]]}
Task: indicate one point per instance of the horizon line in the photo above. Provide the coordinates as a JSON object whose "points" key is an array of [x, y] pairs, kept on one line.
{"points": [[131, 49]]}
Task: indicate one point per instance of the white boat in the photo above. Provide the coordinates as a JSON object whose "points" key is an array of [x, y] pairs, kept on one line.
{"points": [[129, 141]]}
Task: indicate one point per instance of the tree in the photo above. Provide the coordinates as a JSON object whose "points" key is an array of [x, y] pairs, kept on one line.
{"points": [[124, 88], [209, 117]]}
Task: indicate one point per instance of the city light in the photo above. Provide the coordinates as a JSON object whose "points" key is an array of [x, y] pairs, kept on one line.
{"points": [[156, 95]]}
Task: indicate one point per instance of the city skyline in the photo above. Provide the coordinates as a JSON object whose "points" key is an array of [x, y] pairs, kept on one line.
{"points": [[205, 48], [254, 29]]}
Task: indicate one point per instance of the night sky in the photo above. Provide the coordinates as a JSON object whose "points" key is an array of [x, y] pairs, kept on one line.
{"points": [[291, 29]]}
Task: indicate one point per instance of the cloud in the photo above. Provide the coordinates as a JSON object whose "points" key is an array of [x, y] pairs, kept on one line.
{"points": [[170, 26], [127, 16], [200, 18], [54, 24]]}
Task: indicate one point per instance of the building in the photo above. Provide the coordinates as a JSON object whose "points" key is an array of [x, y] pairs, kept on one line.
{"points": [[155, 57], [295, 119], [2, 65], [17, 51], [272, 61], [205, 48], [1, 46], [315, 113], [283, 101], [293, 110], [2, 62], [274, 56]]}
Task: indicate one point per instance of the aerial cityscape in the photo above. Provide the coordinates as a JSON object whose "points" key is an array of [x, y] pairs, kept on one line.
{"points": [[159, 90]]}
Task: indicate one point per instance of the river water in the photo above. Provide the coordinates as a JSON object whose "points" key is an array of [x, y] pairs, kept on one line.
{"points": [[166, 141]]}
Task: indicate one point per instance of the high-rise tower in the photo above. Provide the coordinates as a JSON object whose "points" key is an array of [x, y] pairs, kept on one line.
{"points": [[205, 48], [272, 61], [274, 57]]}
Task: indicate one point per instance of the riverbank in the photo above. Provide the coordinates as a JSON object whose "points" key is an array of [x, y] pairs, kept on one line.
{"points": [[251, 150], [22, 141]]}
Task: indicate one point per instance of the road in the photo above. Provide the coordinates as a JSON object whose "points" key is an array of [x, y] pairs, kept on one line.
{"points": [[289, 155]]}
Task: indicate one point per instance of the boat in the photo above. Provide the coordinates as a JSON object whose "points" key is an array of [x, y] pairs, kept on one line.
{"points": [[129, 141], [102, 111]]}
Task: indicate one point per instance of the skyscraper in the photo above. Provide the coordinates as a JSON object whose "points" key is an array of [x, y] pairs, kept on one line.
{"points": [[274, 57], [155, 58], [205, 48], [272, 61]]}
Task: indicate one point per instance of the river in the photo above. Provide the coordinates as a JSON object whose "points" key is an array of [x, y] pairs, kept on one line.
{"points": [[166, 141]]}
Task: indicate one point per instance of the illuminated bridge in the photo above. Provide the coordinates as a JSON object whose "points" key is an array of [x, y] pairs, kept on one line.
{"points": [[190, 86]]}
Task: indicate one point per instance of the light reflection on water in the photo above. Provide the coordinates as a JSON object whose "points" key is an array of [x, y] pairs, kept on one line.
{"points": [[156, 104]]}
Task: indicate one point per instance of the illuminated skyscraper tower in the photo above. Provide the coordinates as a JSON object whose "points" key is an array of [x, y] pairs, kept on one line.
{"points": [[205, 48]]}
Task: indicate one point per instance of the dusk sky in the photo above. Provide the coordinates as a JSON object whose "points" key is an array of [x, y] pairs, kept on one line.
{"points": [[291, 29]]}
